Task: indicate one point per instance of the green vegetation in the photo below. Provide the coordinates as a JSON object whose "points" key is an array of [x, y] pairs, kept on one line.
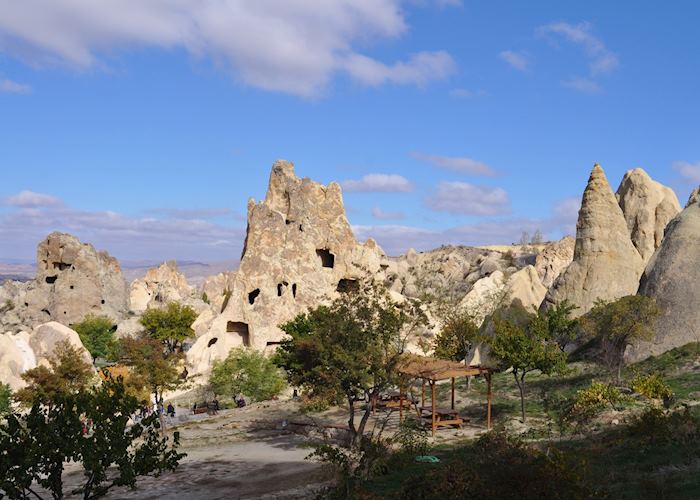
{"points": [[457, 336], [246, 372], [152, 365], [351, 347], [5, 399], [97, 335], [527, 349], [619, 324], [205, 298], [652, 386], [68, 374], [35, 445], [170, 325]]}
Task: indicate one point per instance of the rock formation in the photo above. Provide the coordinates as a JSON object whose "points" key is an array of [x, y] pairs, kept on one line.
{"points": [[160, 285], [606, 263], [48, 336], [648, 207], [72, 280], [554, 259], [299, 251], [672, 277]]}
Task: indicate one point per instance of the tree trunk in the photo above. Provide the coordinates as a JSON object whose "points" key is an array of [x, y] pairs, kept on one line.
{"points": [[363, 422], [351, 418], [521, 387]]}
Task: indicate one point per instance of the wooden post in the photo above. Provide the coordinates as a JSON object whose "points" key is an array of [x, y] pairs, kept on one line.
{"points": [[488, 401], [432, 396], [400, 403], [453, 393]]}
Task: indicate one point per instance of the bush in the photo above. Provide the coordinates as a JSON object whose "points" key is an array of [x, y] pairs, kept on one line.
{"points": [[500, 466], [412, 438], [593, 400], [97, 335], [656, 426], [246, 372], [5, 399], [652, 386]]}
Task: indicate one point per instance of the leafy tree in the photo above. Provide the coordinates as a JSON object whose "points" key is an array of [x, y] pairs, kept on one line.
{"points": [[152, 365], [248, 372], [97, 334], [526, 349], [619, 324], [170, 325], [5, 399], [68, 374], [456, 337], [351, 347], [35, 445]]}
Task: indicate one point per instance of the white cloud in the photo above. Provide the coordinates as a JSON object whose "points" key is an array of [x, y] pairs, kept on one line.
{"points": [[378, 183], [457, 164], [378, 213], [294, 47], [190, 213], [30, 199], [601, 59], [517, 60], [467, 199], [582, 85], [10, 87], [124, 236], [689, 171]]}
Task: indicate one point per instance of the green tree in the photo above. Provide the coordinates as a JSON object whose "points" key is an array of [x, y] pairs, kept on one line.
{"points": [[170, 325], [526, 349], [68, 374], [248, 372], [97, 334], [5, 399], [35, 445], [458, 334], [619, 324], [152, 365], [351, 347]]}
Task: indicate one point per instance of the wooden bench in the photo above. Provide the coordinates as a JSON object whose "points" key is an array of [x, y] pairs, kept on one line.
{"points": [[201, 408], [443, 416]]}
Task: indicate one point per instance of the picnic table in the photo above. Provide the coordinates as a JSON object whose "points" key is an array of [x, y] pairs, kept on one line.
{"points": [[443, 416], [393, 400]]}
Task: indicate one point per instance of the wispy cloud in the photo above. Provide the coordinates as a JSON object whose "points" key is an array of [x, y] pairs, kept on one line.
{"points": [[689, 171], [517, 60], [582, 85], [380, 214], [462, 165], [461, 198], [30, 199], [11, 87], [378, 183], [190, 213], [292, 47]]}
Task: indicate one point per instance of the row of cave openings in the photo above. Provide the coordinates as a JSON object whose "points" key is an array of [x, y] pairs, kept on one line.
{"points": [[57, 266], [243, 331]]}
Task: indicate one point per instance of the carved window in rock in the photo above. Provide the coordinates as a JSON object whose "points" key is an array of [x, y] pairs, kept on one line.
{"points": [[326, 257], [212, 341], [51, 279], [281, 287], [347, 285], [241, 329], [294, 290], [253, 295]]}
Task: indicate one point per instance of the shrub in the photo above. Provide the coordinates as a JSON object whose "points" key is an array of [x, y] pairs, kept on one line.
{"points": [[652, 386], [591, 401], [248, 372], [97, 334], [412, 438], [5, 399], [501, 466], [656, 426]]}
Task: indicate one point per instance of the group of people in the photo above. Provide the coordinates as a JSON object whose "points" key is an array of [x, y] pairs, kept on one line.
{"points": [[148, 410]]}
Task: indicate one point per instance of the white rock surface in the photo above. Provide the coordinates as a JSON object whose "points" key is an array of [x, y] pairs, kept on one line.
{"points": [[554, 259]]}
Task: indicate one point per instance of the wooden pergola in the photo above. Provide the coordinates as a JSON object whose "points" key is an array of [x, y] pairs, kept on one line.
{"points": [[432, 370]]}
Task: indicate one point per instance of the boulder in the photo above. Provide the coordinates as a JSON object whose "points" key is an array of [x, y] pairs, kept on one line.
{"points": [[672, 278], [16, 357], [48, 336], [485, 297], [606, 264], [554, 259], [648, 207], [525, 289]]}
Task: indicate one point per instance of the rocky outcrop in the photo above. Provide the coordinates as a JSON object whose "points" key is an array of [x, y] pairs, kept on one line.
{"points": [[525, 289], [554, 259], [48, 336], [299, 252], [72, 280], [648, 207], [672, 278], [606, 263], [16, 357], [160, 285]]}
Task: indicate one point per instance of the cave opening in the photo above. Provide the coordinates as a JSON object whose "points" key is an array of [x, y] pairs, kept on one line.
{"points": [[51, 279], [294, 290], [253, 295], [347, 285], [241, 329], [212, 341], [327, 258]]}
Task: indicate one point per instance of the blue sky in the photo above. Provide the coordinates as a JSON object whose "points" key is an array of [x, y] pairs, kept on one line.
{"points": [[144, 126]]}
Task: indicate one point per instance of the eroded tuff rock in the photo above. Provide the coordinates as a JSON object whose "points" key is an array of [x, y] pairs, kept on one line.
{"points": [[648, 207], [554, 259], [606, 263], [672, 277], [299, 252], [158, 287], [72, 280]]}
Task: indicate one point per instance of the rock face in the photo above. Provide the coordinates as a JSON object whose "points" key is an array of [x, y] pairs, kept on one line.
{"points": [[160, 285], [48, 336], [554, 259], [72, 280], [648, 207], [672, 278], [525, 288], [606, 264], [299, 252], [16, 357]]}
